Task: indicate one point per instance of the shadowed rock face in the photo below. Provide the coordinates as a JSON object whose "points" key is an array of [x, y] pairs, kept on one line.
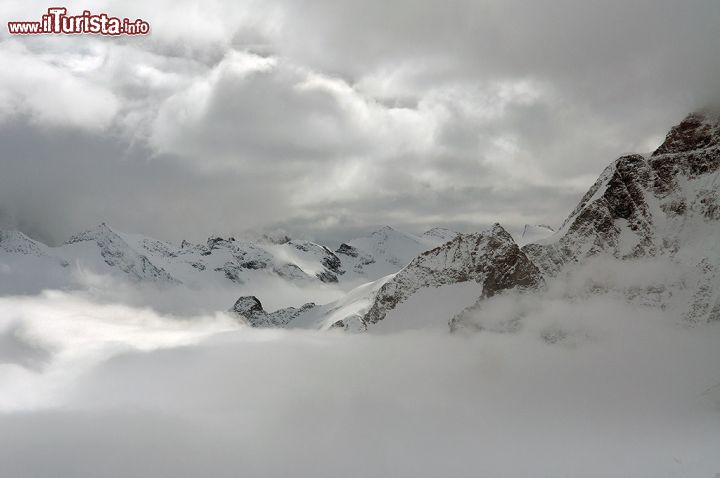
{"points": [[248, 305], [665, 204], [347, 250], [641, 206], [697, 131], [648, 201], [490, 258]]}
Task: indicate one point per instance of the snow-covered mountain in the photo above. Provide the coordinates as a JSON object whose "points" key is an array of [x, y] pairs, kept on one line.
{"points": [[31, 266], [489, 262], [115, 253], [386, 250], [490, 258], [648, 230], [663, 207]]}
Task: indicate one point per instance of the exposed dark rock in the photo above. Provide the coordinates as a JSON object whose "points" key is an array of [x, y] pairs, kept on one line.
{"points": [[351, 324], [248, 305], [253, 264], [624, 203], [332, 262], [327, 277], [697, 131], [347, 250], [231, 271], [329, 260], [290, 271], [250, 308], [649, 206], [214, 242], [491, 258], [160, 248]]}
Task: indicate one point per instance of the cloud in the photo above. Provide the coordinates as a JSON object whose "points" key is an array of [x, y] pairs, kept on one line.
{"points": [[127, 391], [322, 110], [50, 94], [15, 349], [250, 109], [329, 117]]}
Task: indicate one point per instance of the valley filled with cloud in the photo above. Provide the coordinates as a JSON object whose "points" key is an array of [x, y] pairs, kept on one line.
{"points": [[334, 238]]}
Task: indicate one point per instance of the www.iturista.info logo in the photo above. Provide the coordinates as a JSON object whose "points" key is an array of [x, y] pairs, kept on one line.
{"points": [[56, 20]]}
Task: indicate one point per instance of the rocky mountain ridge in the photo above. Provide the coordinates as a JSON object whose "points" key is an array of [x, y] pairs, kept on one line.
{"points": [[665, 205], [657, 212], [489, 258], [222, 261], [661, 209]]}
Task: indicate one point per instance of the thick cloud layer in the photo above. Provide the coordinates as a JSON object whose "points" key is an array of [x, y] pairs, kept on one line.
{"points": [[90, 389], [325, 116]]}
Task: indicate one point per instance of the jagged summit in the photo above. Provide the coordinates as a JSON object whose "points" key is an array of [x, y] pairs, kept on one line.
{"points": [[697, 131], [102, 229], [484, 263], [117, 254], [666, 205], [219, 262], [490, 258], [662, 208], [639, 206], [18, 243]]}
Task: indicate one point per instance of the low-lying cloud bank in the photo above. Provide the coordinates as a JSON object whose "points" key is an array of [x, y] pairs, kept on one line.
{"points": [[92, 389]]}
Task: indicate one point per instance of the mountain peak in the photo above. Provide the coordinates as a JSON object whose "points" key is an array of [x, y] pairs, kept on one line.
{"points": [[101, 230], [699, 130], [16, 242], [491, 258], [384, 230]]}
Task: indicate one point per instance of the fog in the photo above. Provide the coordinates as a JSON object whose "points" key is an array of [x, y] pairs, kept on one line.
{"points": [[92, 389]]}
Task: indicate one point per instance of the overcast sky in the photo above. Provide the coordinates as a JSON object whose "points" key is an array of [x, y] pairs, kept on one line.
{"points": [[327, 117]]}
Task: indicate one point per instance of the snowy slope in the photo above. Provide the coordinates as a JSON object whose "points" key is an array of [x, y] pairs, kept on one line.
{"points": [[662, 208], [386, 250], [346, 313], [108, 252], [490, 259], [28, 265], [103, 257], [446, 279], [647, 231]]}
